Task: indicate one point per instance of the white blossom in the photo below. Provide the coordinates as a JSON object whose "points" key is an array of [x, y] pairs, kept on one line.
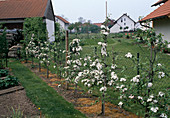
{"points": [[154, 109], [163, 115], [128, 55], [122, 79], [159, 64], [161, 75], [161, 94], [131, 96], [103, 89], [140, 98], [150, 84], [120, 104], [136, 79], [113, 66], [114, 76], [103, 27], [90, 91], [99, 66], [59, 85]]}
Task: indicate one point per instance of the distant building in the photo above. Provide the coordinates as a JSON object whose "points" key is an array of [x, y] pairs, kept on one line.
{"points": [[63, 22], [13, 13], [124, 23], [98, 24], [160, 18]]}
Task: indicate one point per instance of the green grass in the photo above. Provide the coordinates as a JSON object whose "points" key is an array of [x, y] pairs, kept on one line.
{"points": [[43, 96]]}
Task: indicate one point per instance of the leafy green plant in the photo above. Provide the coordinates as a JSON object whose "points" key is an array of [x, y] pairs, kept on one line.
{"points": [[8, 82], [3, 73], [16, 113]]}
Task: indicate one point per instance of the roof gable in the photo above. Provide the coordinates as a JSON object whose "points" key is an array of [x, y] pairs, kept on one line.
{"points": [[22, 8], [126, 16], [62, 19], [162, 11]]}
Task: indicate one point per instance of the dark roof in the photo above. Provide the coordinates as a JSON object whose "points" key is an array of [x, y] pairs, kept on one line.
{"points": [[127, 16], [11, 9], [159, 2], [162, 11], [62, 19]]}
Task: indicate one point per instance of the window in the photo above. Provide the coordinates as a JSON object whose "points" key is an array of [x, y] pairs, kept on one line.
{"points": [[121, 20], [125, 24], [124, 19]]}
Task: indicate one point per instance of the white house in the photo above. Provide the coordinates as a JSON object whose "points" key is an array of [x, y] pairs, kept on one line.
{"points": [[160, 18], [124, 23], [13, 13], [63, 22]]}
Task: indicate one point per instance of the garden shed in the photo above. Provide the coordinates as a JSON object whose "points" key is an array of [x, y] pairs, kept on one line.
{"points": [[161, 18], [13, 13]]}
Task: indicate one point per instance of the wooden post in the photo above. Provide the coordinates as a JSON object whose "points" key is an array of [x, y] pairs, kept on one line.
{"points": [[67, 84], [137, 63], [106, 9], [66, 47]]}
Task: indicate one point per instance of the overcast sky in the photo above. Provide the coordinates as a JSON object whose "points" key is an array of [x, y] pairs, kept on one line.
{"points": [[94, 10]]}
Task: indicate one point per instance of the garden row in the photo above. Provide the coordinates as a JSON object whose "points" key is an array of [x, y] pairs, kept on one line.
{"points": [[99, 74]]}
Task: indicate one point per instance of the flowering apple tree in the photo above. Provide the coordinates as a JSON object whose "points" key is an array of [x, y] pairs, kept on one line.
{"points": [[31, 48], [140, 89], [44, 55], [74, 62]]}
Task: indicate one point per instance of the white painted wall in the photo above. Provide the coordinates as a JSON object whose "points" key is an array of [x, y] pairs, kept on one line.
{"points": [[123, 21], [62, 24], [115, 29], [50, 29], [163, 26]]}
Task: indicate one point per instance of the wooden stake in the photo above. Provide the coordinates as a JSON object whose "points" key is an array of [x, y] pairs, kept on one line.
{"points": [[67, 84]]}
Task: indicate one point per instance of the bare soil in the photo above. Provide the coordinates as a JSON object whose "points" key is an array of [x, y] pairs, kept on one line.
{"points": [[18, 101]]}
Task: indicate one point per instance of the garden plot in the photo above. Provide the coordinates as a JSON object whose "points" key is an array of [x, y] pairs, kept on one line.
{"points": [[83, 101]]}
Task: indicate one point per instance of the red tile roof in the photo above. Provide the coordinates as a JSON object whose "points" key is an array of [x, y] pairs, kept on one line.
{"points": [[22, 8], [98, 24], [162, 11], [62, 19]]}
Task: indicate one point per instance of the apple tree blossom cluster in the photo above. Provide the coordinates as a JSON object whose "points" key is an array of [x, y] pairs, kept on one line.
{"points": [[104, 30], [74, 62], [31, 47], [141, 90], [44, 55]]}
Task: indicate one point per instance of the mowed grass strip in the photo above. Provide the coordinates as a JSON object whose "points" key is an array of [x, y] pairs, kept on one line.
{"points": [[43, 96]]}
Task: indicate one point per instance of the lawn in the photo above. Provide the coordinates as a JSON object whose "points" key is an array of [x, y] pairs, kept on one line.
{"points": [[43, 96]]}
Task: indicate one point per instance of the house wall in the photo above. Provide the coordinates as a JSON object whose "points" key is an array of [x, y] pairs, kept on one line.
{"points": [[115, 29], [125, 21], [163, 26], [50, 29], [62, 24]]}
